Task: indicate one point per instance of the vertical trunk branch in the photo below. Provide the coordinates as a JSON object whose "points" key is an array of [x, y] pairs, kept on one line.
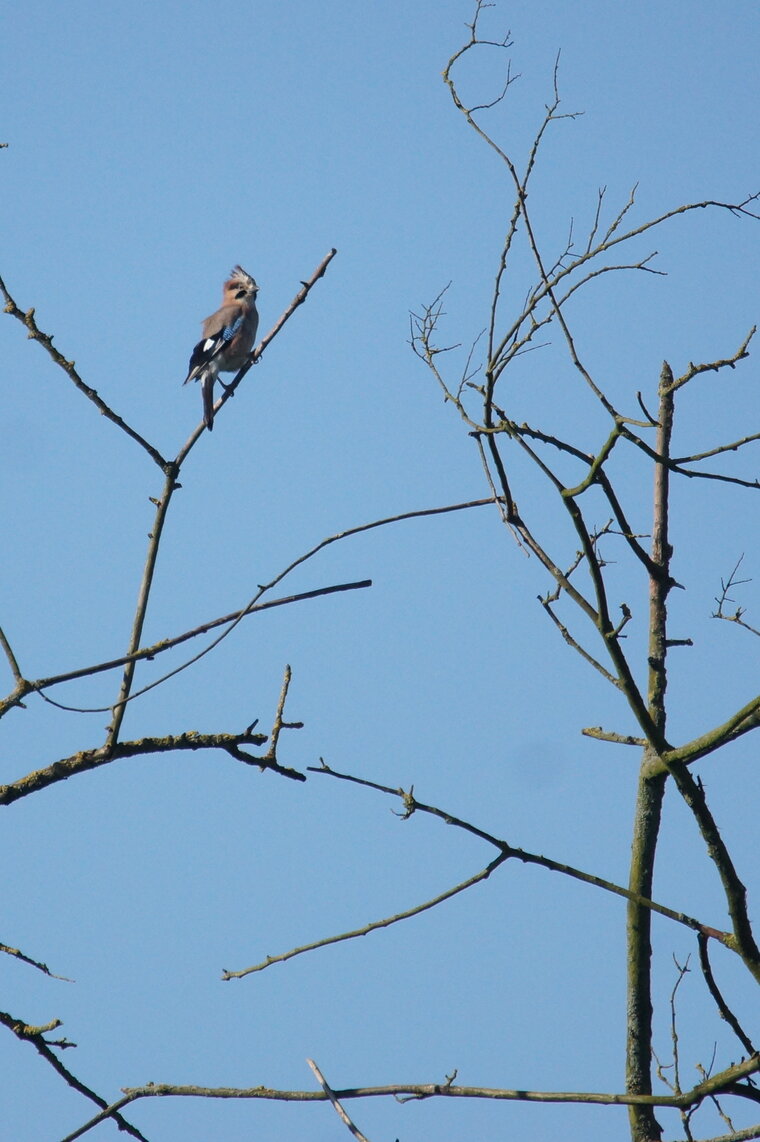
{"points": [[162, 507], [644, 1125]]}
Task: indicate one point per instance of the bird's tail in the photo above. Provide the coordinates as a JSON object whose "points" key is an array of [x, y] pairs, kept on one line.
{"points": [[207, 389]]}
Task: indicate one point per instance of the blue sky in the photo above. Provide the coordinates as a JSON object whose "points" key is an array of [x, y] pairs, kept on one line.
{"points": [[150, 149]]}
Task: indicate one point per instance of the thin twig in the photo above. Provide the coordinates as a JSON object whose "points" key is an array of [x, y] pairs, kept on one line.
{"points": [[734, 446], [715, 366], [371, 927], [6, 646], [46, 341], [412, 805], [729, 585], [344, 1117], [576, 646], [35, 1036], [683, 970], [279, 723], [725, 1011], [19, 955], [253, 603], [151, 652]]}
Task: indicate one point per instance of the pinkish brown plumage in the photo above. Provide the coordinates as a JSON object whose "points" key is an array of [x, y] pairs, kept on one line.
{"points": [[228, 337]]}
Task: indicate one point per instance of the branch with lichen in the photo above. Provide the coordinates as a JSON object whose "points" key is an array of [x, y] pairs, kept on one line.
{"points": [[44, 1047], [87, 759], [728, 1081], [17, 954]]}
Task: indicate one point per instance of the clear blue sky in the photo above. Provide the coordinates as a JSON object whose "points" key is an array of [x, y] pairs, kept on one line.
{"points": [[151, 147]]}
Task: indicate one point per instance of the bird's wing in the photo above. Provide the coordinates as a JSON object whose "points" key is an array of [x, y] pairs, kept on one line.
{"points": [[219, 329]]}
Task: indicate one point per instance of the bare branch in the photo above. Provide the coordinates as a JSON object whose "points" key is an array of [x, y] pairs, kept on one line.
{"points": [[89, 759], [682, 970], [46, 341], [8, 951], [6, 646], [35, 1036], [371, 927], [735, 892], [715, 366], [735, 1135], [39, 685], [412, 805], [608, 736], [723, 1008], [752, 484], [676, 465], [619, 217], [721, 1082], [344, 1117], [572, 642], [262, 590], [734, 446], [740, 723], [15, 698], [597, 218], [270, 757], [728, 585]]}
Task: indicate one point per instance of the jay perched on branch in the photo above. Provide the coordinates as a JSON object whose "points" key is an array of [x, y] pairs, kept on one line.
{"points": [[228, 337]]}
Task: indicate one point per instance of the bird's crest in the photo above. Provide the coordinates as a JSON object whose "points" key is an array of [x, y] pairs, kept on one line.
{"points": [[239, 279]]}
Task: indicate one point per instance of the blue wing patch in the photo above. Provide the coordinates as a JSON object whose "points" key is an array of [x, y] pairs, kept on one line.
{"points": [[210, 348]]}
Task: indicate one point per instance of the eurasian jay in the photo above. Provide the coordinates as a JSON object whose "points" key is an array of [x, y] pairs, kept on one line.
{"points": [[228, 337]]}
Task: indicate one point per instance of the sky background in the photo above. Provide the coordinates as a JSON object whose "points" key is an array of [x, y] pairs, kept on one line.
{"points": [[151, 147]]}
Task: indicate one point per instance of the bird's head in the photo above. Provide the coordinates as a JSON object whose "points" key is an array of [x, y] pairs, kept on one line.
{"points": [[240, 286]]}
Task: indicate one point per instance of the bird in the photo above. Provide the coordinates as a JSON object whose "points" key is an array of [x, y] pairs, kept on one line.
{"points": [[228, 337]]}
